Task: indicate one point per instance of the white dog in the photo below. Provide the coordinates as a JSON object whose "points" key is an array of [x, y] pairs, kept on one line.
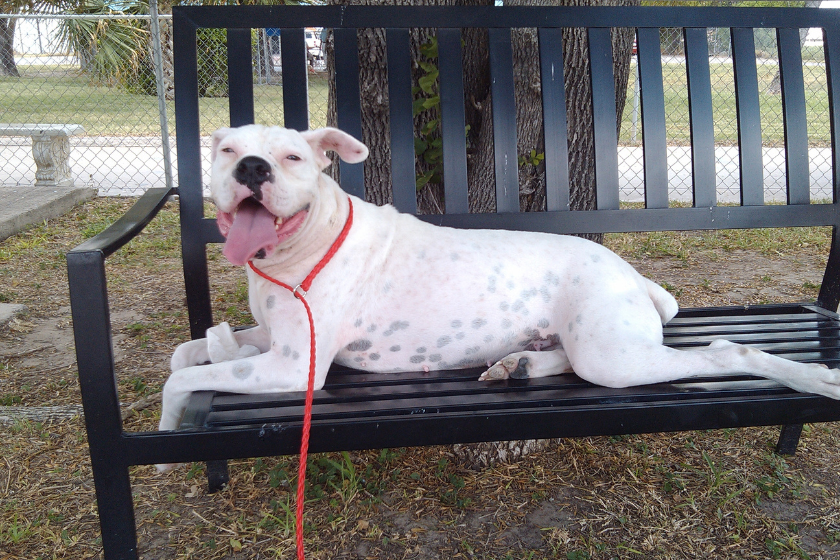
{"points": [[401, 294]]}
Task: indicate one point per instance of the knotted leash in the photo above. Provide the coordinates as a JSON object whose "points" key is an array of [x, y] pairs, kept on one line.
{"points": [[299, 292]]}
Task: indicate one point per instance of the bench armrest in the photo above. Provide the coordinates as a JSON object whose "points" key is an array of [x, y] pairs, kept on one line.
{"points": [[129, 225], [92, 322]]}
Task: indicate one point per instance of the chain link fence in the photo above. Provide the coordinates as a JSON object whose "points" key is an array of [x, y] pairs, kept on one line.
{"points": [[725, 118], [98, 72]]}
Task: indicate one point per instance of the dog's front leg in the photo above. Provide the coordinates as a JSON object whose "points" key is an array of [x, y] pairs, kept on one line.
{"points": [[269, 372], [195, 352]]}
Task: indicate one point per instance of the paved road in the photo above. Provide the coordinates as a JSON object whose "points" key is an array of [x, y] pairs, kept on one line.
{"points": [[129, 166]]}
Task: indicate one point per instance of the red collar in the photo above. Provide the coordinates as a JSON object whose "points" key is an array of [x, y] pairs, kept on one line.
{"points": [[301, 289]]}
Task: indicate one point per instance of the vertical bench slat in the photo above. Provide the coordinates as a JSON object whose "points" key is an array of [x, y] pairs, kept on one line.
{"points": [[403, 175], [604, 117], [295, 79], [829, 295], [748, 109], [452, 117], [555, 127], [190, 199], [348, 105], [795, 116], [654, 137], [700, 114], [504, 120], [831, 37], [240, 77]]}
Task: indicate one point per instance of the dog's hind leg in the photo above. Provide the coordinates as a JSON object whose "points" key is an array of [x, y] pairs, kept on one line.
{"points": [[645, 363], [529, 364]]}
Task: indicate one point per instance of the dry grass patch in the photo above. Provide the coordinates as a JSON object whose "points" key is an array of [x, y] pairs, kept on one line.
{"points": [[717, 494]]}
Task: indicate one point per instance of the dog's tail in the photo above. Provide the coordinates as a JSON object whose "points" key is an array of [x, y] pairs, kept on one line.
{"points": [[664, 302]]}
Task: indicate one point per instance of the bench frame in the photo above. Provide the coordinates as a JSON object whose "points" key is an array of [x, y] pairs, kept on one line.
{"points": [[358, 410]]}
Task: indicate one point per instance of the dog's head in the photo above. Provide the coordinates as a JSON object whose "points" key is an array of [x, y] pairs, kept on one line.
{"points": [[265, 180]]}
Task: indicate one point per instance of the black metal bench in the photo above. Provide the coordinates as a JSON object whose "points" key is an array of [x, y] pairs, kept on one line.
{"points": [[357, 410]]}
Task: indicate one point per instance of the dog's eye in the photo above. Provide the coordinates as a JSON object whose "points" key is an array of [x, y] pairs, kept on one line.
{"points": [[227, 150], [293, 157]]}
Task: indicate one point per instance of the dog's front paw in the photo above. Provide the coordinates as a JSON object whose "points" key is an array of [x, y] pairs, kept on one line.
{"points": [[192, 353], [512, 366], [164, 468]]}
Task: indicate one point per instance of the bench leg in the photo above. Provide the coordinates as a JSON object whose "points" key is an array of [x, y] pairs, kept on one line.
{"points": [[116, 513], [788, 439], [52, 161], [217, 475]]}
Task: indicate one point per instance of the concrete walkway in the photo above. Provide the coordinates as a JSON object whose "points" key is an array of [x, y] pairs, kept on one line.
{"points": [[22, 207]]}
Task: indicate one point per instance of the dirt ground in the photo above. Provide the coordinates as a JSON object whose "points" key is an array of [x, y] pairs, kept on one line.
{"points": [[717, 494]]}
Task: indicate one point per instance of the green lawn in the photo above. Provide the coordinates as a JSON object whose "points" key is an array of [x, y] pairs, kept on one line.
{"points": [[724, 106], [65, 96], [69, 97]]}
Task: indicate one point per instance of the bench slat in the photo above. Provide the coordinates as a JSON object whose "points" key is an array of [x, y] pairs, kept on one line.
{"points": [[348, 105], [604, 117], [654, 137], [403, 174], [787, 330], [748, 110], [555, 127], [701, 116], [654, 219], [240, 77], [452, 121], [191, 196], [413, 397], [795, 116], [295, 79], [504, 120], [831, 45]]}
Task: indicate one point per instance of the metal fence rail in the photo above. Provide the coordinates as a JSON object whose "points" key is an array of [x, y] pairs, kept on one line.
{"points": [[114, 81]]}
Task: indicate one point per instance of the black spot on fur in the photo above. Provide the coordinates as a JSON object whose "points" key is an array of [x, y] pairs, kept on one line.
{"points": [[359, 345]]}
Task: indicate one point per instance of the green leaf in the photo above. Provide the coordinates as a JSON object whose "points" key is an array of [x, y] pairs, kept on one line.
{"points": [[431, 102], [427, 82], [429, 127], [427, 66], [423, 179], [420, 146], [418, 106], [430, 49]]}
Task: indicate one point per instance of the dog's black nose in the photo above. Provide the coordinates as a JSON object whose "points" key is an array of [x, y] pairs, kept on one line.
{"points": [[253, 171]]}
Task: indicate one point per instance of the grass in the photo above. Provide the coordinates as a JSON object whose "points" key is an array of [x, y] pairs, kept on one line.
{"points": [[718, 494], [724, 105], [66, 95], [69, 96]]}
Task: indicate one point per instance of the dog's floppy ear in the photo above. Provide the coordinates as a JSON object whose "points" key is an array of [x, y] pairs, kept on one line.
{"points": [[324, 139], [217, 137]]}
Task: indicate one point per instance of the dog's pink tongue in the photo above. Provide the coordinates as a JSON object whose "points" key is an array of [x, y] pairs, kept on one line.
{"points": [[252, 230]]}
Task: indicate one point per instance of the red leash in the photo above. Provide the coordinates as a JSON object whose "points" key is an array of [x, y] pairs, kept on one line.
{"points": [[299, 292]]}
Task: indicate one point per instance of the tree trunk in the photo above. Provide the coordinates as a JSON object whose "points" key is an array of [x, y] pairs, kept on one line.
{"points": [[7, 52], [478, 105]]}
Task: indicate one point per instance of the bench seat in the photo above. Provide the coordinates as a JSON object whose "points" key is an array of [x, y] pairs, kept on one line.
{"points": [[358, 410]]}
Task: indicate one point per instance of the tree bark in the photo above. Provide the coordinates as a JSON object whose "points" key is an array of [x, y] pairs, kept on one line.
{"points": [[7, 52], [478, 104]]}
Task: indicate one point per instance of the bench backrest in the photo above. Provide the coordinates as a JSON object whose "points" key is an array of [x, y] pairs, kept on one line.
{"points": [[705, 213]]}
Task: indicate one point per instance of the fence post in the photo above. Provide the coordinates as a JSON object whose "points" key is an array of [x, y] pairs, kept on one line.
{"points": [[157, 50]]}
